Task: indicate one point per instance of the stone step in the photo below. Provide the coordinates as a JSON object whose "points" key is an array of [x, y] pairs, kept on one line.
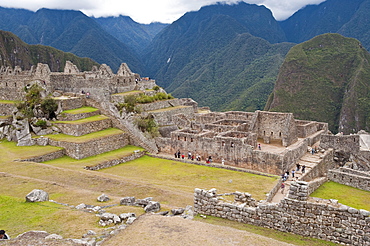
{"points": [[84, 126], [79, 113], [89, 144]]}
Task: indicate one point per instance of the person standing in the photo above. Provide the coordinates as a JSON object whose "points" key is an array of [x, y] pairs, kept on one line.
{"points": [[303, 168], [282, 188], [293, 171]]}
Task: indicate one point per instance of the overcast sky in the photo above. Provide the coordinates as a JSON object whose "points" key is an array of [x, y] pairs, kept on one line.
{"points": [[147, 11]]}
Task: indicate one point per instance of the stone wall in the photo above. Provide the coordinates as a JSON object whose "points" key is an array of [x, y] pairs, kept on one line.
{"points": [[345, 143], [115, 162], [92, 147], [47, 157], [7, 108], [72, 117], [84, 128], [301, 190], [321, 169], [350, 177], [271, 126], [160, 104], [164, 116], [67, 103], [291, 156], [327, 221], [236, 151]]}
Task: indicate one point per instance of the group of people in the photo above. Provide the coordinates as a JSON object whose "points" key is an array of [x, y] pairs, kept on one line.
{"points": [[191, 156], [285, 176]]}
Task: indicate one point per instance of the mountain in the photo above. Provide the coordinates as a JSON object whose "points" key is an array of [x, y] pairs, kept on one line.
{"points": [[326, 79], [349, 18], [15, 52], [185, 57], [136, 36], [70, 31]]}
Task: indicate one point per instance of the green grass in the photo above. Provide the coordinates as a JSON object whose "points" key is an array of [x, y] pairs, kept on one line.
{"points": [[69, 162], [186, 177], [5, 117], [347, 195], [8, 102], [87, 137], [12, 151], [267, 232], [85, 120], [80, 110]]}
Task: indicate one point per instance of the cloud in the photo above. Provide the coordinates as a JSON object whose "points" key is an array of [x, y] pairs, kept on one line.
{"points": [[146, 11]]}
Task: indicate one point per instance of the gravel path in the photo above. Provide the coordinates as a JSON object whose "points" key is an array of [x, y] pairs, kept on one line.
{"points": [[165, 231]]}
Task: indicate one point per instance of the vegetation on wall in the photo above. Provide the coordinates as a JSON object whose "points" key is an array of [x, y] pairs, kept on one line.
{"points": [[34, 101]]}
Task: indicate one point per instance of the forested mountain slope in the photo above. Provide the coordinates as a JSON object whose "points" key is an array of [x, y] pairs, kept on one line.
{"points": [[70, 31], [326, 79], [15, 52]]}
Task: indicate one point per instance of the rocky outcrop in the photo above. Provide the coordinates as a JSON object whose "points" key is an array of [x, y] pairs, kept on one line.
{"points": [[37, 196]]}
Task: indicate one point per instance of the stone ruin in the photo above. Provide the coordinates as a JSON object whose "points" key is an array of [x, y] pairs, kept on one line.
{"points": [[231, 137]]}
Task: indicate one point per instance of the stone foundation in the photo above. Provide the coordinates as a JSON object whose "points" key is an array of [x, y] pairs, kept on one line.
{"points": [[115, 162], [324, 220]]}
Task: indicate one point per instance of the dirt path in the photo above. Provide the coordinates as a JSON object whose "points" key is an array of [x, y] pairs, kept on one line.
{"points": [[167, 231]]}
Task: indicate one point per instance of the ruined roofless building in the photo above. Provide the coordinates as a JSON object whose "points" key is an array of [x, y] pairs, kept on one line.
{"points": [[99, 82]]}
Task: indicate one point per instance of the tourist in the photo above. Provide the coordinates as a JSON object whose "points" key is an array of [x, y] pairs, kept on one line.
{"points": [[178, 154], [282, 188], [3, 235], [87, 94], [259, 146], [210, 159], [312, 151], [223, 161], [182, 156], [293, 171], [303, 168], [298, 167]]}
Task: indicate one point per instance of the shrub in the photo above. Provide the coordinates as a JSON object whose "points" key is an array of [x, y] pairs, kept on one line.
{"points": [[149, 125], [156, 88], [41, 123], [49, 106]]}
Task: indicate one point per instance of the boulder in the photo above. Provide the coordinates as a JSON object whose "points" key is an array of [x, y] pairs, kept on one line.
{"points": [[177, 211], [37, 196], [143, 202], [103, 198], [125, 216], [152, 207], [129, 201]]}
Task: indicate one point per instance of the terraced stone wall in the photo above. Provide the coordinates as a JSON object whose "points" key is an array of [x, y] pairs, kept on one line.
{"points": [[86, 128], [93, 147], [321, 169], [324, 219], [345, 143], [350, 177]]}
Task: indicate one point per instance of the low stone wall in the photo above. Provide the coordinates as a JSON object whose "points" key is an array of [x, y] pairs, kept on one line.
{"points": [[93, 147], [7, 108], [350, 177], [321, 168], [115, 162], [273, 191], [159, 104], [327, 221], [71, 103], [84, 128], [164, 117], [301, 190], [47, 157], [72, 117]]}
